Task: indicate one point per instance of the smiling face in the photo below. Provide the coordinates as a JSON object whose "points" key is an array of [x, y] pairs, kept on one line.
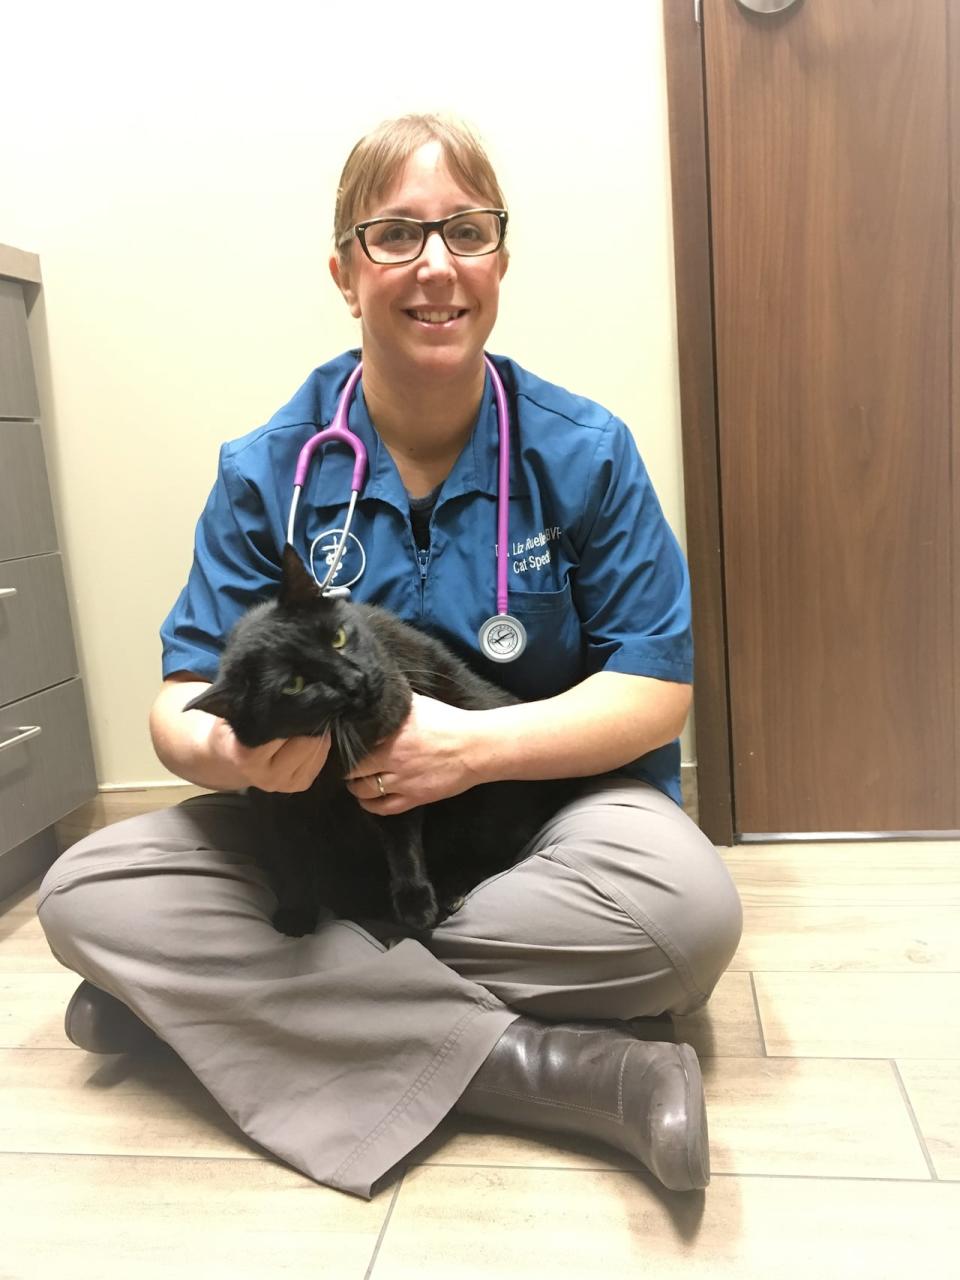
{"points": [[429, 318]]}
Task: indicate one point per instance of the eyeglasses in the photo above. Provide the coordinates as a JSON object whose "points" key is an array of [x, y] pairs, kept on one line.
{"points": [[470, 234]]}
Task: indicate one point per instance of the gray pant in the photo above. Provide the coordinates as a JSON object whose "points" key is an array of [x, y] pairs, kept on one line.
{"points": [[339, 1052]]}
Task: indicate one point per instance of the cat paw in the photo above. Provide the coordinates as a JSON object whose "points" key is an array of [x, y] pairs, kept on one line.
{"points": [[294, 921], [416, 906]]}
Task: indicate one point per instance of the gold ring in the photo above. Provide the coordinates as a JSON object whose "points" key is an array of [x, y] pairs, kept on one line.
{"points": [[380, 784]]}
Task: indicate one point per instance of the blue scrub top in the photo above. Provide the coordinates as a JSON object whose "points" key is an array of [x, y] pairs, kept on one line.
{"points": [[595, 573]]}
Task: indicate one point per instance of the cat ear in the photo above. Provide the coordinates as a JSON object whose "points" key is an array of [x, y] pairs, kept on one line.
{"points": [[297, 587], [213, 700]]}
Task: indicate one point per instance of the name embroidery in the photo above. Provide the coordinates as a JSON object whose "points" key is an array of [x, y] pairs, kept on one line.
{"points": [[534, 552]]}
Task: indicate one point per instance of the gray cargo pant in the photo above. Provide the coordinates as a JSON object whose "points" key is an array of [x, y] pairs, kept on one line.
{"points": [[340, 1051]]}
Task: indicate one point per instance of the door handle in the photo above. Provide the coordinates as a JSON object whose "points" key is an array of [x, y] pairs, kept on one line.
{"points": [[766, 6], [7, 591], [22, 733]]}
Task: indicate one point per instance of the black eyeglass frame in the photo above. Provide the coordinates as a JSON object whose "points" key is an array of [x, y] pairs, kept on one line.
{"points": [[426, 229]]}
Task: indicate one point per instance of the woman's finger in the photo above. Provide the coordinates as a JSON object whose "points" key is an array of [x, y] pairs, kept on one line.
{"points": [[386, 806], [368, 786]]}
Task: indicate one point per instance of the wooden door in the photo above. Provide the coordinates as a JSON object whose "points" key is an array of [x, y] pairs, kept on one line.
{"points": [[828, 137]]}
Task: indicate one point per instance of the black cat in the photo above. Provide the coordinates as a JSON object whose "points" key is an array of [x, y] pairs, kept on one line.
{"points": [[303, 664]]}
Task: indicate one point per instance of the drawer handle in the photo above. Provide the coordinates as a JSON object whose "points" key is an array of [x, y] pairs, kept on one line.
{"points": [[7, 591], [24, 732]]}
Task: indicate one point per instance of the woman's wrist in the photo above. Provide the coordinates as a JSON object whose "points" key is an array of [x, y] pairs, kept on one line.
{"points": [[187, 743], [481, 749]]}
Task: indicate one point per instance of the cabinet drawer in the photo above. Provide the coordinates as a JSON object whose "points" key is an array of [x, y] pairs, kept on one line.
{"points": [[36, 638], [45, 776], [26, 514], [18, 390]]}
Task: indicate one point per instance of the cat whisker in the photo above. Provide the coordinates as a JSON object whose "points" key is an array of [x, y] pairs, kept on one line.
{"points": [[337, 733], [360, 746], [348, 744], [398, 679], [319, 729], [421, 671]]}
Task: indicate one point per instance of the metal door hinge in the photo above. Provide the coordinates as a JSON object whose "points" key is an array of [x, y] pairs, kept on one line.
{"points": [[698, 12]]}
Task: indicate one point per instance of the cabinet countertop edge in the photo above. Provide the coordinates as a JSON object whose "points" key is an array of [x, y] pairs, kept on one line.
{"points": [[17, 264]]}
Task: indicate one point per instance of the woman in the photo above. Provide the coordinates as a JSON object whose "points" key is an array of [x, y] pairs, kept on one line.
{"points": [[340, 1051]]}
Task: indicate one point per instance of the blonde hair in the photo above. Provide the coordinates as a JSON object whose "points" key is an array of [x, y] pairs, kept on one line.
{"points": [[376, 160]]}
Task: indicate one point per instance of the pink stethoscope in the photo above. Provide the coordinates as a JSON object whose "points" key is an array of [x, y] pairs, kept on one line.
{"points": [[502, 637]]}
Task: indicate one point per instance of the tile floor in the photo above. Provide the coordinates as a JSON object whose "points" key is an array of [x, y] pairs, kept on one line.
{"points": [[831, 1059]]}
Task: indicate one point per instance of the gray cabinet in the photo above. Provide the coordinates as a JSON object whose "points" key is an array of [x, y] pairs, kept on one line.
{"points": [[46, 758], [18, 389]]}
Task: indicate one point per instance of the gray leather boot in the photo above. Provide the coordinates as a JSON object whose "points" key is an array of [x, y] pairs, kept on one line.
{"points": [[100, 1023], [598, 1081]]}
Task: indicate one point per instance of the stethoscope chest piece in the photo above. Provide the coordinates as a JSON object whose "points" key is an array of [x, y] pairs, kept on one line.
{"points": [[502, 638]]}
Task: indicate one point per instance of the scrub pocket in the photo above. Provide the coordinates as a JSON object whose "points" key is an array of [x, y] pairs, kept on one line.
{"points": [[555, 645]]}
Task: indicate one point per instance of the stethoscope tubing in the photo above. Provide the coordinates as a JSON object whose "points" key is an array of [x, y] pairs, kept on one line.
{"points": [[339, 430], [503, 483]]}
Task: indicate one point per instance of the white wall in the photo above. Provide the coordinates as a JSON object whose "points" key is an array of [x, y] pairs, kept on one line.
{"points": [[175, 166]]}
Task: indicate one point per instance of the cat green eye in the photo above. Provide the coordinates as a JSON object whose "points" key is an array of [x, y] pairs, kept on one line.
{"points": [[340, 639], [296, 686]]}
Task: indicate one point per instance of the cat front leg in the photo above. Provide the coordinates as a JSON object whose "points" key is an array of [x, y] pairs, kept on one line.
{"points": [[411, 891], [297, 910], [284, 855]]}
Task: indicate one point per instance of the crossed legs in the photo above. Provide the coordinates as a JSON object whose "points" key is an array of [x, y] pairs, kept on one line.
{"points": [[340, 1051]]}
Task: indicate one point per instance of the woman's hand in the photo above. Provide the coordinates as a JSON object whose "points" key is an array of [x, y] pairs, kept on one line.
{"points": [[425, 760], [202, 748], [285, 764]]}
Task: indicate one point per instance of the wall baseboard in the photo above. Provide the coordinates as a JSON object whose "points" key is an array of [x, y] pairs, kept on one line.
{"points": [[688, 777], [111, 787]]}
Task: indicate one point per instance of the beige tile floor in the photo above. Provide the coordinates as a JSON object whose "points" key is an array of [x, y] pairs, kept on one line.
{"points": [[831, 1059]]}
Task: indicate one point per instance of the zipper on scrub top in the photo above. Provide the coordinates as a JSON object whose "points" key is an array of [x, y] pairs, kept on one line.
{"points": [[423, 559]]}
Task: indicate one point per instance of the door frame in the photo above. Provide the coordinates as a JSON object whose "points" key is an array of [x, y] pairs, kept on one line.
{"points": [[698, 412]]}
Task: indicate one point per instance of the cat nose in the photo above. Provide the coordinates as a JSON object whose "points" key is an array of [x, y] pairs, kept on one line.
{"points": [[354, 685]]}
